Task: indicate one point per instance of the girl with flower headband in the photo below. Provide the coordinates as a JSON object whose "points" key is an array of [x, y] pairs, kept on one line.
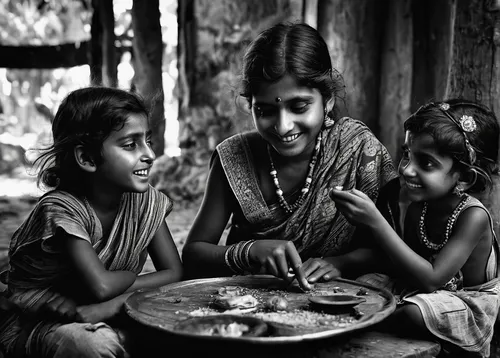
{"points": [[273, 183], [445, 269]]}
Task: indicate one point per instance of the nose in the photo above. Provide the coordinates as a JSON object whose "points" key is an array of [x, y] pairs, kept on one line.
{"points": [[406, 168], [148, 154], [284, 123]]}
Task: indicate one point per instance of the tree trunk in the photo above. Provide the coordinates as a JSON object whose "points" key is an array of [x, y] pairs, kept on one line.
{"points": [[310, 13], [148, 54], [475, 69], [352, 30], [432, 45], [396, 75], [103, 64], [95, 61]]}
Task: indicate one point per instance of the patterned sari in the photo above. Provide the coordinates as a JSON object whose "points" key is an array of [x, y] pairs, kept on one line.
{"points": [[37, 261], [350, 156]]}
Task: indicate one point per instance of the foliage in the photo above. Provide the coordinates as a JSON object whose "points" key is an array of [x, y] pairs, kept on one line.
{"points": [[44, 22]]}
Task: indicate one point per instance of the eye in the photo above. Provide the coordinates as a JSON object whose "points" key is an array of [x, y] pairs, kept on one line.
{"points": [[149, 142], [131, 145], [300, 107]]}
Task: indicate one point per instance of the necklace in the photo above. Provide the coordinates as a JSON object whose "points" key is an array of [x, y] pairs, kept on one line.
{"points": [[449, 225], [305, 189]]}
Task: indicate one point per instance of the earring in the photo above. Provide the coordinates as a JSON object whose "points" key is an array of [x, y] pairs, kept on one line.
{"points": [[458, 190], [328, 121]]}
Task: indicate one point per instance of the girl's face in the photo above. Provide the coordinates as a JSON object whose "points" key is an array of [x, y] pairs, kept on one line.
{"points": [[427, 174], [288, 116], [127, 157]]}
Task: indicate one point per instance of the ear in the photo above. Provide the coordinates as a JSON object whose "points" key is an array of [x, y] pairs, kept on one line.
{"points": [[84, 160], [329, 104], [467, 179]]}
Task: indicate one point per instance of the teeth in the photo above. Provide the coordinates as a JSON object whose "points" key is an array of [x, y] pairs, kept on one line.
{"points": [[289, 138], [141, 172], [413, 185]]}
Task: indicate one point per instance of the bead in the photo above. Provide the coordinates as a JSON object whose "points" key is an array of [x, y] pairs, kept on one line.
{"points": [[279, 192], [449, 225]]}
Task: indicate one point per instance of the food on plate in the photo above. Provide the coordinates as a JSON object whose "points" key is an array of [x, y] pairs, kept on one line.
{"points": [[276, 303], [230, 291], [233, 302]]}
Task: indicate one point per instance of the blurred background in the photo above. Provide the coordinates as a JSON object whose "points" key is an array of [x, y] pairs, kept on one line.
{"points": [[183, 57]]}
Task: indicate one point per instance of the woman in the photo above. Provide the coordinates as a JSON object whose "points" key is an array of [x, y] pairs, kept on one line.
{"points": [[274, 181]]}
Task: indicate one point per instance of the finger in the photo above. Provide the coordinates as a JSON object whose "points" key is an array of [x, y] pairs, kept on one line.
{"points": [[271, 267], [296, 264], [331, 274], [309, 267], [282, 265]]}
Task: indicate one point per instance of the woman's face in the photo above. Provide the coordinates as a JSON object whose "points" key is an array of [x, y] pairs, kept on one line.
{"points": [[288, 116]]}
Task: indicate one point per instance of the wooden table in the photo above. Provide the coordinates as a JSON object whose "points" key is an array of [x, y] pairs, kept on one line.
{"points": [[157, 313]]}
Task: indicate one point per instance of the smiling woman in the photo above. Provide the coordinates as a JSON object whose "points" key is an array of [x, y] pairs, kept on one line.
{"points": [[273, 182]]}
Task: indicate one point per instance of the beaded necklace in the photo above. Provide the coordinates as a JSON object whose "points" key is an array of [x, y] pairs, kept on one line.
{"points": [[449, 225], [305, 189]]}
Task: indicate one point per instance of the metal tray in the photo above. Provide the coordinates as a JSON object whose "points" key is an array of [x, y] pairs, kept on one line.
{"points": [[165, 307]]}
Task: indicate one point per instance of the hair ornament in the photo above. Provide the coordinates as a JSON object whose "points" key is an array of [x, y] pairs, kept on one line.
{"points": [[468, 123], [444, 106]]}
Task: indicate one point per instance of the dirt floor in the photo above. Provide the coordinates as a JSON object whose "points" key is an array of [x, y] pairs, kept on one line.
{"points": [[18, 194]]}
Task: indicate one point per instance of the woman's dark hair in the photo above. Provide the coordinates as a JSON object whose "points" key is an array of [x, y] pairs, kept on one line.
{"points": [[294, 49], [85, 117], [443, 122]]}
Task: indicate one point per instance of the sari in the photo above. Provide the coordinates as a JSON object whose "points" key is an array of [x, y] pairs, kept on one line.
{"points": [[350, 155], [36, 257]]}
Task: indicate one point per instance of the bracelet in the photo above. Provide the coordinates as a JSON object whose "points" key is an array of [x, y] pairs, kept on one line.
{"points": [[226, 258], [246, 254]]}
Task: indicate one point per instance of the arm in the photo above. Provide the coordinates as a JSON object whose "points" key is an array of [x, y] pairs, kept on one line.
{"points": [[166, 260], [99, 283], [201, 255], [427, 276]]}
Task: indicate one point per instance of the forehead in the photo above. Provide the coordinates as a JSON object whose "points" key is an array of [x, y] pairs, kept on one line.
{"points": [[421, 142], [135, 123], [286, 88]]}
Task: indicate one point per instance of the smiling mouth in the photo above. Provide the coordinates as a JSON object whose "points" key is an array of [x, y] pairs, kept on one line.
{"points": [[289, 138], [142, 173], [413, 186]]}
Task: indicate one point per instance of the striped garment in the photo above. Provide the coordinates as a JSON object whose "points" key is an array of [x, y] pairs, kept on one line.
{"points": [[36, 259], [350, 156]]}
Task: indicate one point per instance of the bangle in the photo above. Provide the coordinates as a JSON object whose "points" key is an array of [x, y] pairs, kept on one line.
{"points": [[246, 256], [226, 258]]}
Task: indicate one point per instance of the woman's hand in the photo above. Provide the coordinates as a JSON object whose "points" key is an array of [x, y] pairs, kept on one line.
{"points": [[276, 257], [320, 269], [356, 206]]}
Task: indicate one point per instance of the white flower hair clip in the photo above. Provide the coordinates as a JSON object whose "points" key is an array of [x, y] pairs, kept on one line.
{"points": [[444, 106], [468, 123]]}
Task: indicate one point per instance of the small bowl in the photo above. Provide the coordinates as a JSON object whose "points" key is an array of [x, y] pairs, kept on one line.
{"points": [[336, 301], [217, 326]]}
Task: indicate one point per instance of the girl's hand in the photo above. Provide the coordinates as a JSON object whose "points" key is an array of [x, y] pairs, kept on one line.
{"points": [[356, 206], [275, 257], [102, 311], [319, 269]]}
